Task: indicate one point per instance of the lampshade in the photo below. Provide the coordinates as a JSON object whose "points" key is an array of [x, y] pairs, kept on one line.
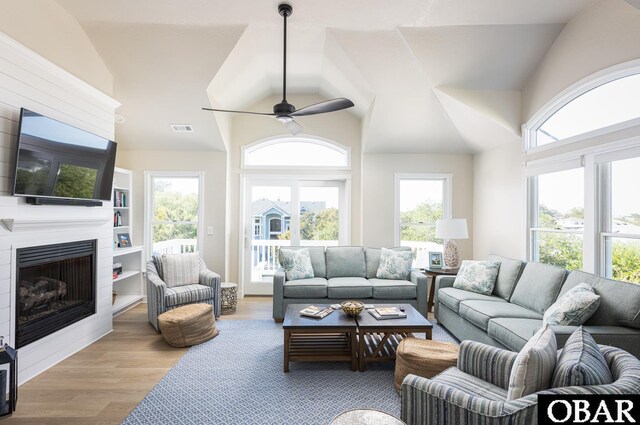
{"points": [[453, 228]]}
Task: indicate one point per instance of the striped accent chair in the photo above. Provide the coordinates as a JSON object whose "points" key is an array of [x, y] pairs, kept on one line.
{"points": [[475, 392], [166, 295]]}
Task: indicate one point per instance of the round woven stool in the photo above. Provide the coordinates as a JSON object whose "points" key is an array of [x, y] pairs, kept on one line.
{"points": [[423, 357], [188, 325]]}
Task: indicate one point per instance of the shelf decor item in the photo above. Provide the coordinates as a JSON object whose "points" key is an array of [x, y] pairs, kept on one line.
{"points": [[124, 241], [8, 378], [450, 229]]}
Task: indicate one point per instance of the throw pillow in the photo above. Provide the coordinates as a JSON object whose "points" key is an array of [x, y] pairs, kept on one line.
{"points": [[574, 307], [296, 263], [181, 269], [477, 276], [394, 264], [581, 363], [534, 365]]}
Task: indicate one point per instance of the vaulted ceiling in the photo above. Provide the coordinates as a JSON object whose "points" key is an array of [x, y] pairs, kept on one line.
{"points": [[426, 76]]}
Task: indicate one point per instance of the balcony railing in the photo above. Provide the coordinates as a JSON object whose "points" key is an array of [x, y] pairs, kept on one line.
{"points": [[176, 246], [264, 256], [421, 251]]}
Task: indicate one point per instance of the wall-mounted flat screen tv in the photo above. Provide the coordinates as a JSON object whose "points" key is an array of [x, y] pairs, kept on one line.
{"points": [[58, 161]]}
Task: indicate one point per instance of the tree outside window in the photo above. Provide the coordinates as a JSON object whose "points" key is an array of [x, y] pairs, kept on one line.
{"points": [[175, 214]]}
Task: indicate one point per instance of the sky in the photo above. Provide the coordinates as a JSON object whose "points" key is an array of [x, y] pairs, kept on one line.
{"points": [[586, 112], [183, 185], [296, 152], [564, 190], [414, 191]]}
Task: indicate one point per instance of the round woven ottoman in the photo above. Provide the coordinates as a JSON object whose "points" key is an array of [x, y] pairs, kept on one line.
{"points": [[188, 325], [423, 357]]}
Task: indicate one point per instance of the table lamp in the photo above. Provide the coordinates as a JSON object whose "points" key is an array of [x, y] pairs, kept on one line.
{"points": [[449, 229]]}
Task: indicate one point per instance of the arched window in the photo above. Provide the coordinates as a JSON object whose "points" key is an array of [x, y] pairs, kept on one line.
{"points": [[599, 105], [582, 165], [296, 152]]}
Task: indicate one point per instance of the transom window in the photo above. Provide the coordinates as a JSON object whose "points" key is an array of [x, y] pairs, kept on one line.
{"points": [[296, 152], [605, 105]]}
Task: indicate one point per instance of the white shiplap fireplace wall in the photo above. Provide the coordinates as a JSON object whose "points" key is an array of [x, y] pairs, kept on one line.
{"points": [[30, 81]]}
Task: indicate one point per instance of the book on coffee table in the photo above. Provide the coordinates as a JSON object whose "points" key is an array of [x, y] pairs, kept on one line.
{"points": [[390, 311], [379, 316], [316, 312]]}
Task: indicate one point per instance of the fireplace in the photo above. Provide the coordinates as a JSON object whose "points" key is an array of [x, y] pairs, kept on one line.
{"points": [[55, 287]]}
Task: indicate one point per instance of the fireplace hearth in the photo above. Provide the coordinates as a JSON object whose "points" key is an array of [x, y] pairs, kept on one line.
{"points": [[55, 287]]}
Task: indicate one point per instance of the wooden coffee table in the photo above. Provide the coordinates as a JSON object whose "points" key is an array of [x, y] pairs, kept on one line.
{"points": [[313, 340], [379, 339]]}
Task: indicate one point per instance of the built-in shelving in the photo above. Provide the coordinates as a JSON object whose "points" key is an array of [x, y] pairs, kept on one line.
{"points": [[125, 302], [128, 286]]}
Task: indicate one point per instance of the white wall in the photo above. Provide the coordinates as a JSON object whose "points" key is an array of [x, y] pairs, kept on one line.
{"points": [[379, 191], [27, 80], [498, 210], [49, 30], [214, 166], [341, 127], [603, 35]]}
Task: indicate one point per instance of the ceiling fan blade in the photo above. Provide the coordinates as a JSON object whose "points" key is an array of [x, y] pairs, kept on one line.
{"points": [[293, 127], [270, 114], [323, 107]]}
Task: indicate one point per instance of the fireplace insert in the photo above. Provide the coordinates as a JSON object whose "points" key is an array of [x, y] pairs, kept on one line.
{"points": [[55, 287]]}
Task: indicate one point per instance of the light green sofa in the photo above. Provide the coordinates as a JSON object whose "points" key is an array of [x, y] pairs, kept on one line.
{"points": [[346, 273], [513, 312]]}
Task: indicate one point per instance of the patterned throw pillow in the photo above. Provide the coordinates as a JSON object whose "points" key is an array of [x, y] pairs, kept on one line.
{"points": [[581, 363], [574, 307], [394, 264], [534, 365], [181, 269], [296, 263], [477, 276]]}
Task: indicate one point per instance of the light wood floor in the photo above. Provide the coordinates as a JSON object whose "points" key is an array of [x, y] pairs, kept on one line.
{"points": [[101, 384]]}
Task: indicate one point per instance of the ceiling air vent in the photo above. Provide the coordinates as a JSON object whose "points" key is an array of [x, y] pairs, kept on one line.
{"points": [[181, 128]]}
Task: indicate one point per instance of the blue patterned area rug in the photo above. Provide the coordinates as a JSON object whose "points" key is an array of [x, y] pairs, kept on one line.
{"points": [[237, 378]]}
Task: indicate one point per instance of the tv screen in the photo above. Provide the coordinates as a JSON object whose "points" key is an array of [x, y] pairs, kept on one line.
{"points": [[56, 160]]}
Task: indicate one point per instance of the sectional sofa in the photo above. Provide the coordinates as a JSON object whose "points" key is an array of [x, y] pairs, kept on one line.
{"points": [[346, 273], [523, 292]]}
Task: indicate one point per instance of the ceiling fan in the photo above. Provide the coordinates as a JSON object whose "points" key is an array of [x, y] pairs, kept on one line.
{"points": [[285, 111]]}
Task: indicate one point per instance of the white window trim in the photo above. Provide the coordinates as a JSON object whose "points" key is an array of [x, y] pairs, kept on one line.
{"points": [[591, 150], [244, 150], [575, 90], [447, 207], [148, 203]]}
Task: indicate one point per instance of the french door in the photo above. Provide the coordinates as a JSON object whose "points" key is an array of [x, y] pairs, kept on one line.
{"points": [[288, 211]]}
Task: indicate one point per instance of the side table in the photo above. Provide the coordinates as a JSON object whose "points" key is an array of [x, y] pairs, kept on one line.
{"points": [[433, 273], [229, 297]]}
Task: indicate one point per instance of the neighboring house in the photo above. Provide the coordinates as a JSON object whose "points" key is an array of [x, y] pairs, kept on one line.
{"points": [[619, 226], [272, 218]]}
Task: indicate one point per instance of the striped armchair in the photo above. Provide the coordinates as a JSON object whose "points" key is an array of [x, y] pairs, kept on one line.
{"points": [[161, 298], [475, 392]]}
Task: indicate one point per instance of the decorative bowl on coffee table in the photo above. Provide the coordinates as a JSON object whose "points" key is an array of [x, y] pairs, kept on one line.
{"points": [[352, 308]]}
